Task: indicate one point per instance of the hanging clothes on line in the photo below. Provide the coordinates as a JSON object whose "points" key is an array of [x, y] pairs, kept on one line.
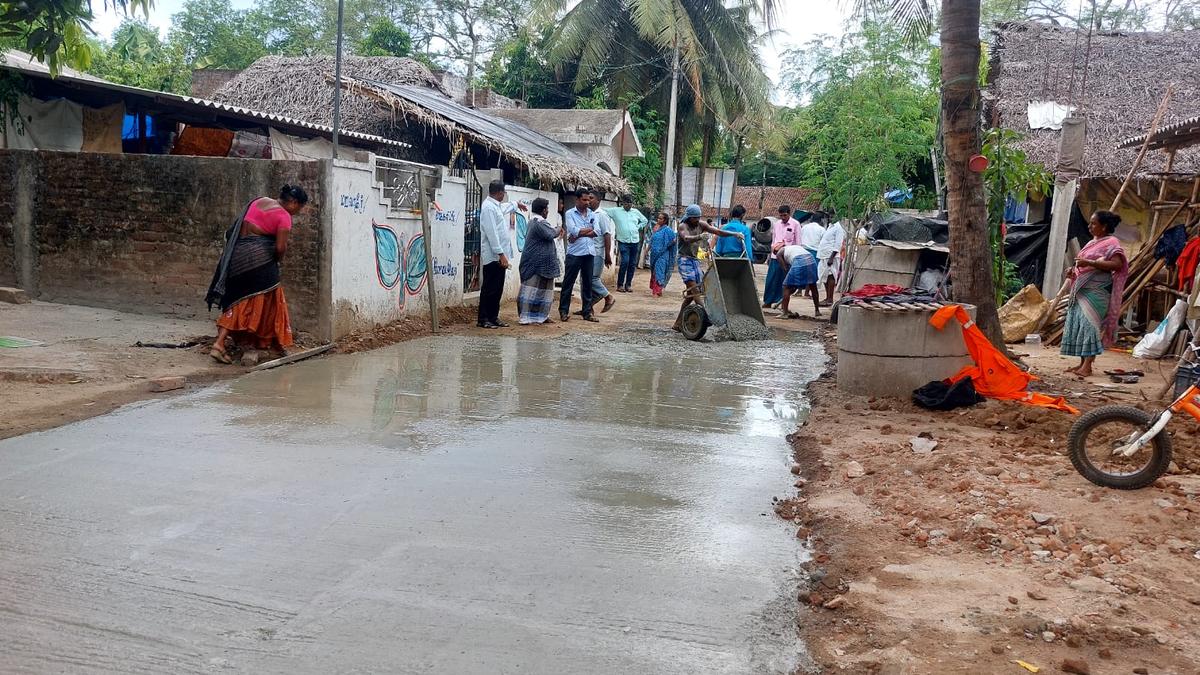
{"points": [[1186, 263], [102, 128], [45, 125]]}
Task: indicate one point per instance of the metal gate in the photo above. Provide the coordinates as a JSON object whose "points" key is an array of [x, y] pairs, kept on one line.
{"points": [[463, 166]]}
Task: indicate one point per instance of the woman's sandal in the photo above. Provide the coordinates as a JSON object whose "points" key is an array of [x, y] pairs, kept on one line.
{"points": [[220, 356]]}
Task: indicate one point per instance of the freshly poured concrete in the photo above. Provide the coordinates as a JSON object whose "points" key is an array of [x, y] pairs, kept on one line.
{"points": [[452, 505]]}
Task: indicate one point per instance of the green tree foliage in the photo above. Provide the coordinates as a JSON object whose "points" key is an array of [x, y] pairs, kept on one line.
{"points": [[644, 173], [1101, 14], [871, 118], [55, 31], [520, 68], [385, 38], [1010, 173], [214, 34], [136, 56]]}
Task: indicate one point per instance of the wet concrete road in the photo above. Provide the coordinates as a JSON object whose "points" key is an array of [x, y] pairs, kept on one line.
{"points": [[459, 505]]}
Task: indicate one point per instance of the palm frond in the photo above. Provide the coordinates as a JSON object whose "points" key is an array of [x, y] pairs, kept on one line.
{"points": [[914, 18]]}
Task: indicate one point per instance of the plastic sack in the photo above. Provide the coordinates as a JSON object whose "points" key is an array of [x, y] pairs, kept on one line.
{"points": [[1155, 345], [1022, 314]]}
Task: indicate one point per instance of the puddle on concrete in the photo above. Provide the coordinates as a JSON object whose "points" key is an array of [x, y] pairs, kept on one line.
{"points": [[591, 504]]}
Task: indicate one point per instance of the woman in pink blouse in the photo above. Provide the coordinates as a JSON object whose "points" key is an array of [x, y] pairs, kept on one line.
{"points": [[246, 283]]}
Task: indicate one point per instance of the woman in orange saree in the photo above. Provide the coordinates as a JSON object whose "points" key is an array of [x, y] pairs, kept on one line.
{"points": [[246, 282]]}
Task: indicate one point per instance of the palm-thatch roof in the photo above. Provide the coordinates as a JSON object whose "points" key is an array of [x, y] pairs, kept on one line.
{"points": [[544, 157], [389, 96], [1126, 76], [296, 86]]}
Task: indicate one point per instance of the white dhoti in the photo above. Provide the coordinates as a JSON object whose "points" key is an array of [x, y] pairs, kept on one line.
{"points": [[826, 269], [830, 248]]}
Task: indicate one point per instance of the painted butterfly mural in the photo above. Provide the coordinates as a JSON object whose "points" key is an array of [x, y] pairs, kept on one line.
{"points": [[387, 255], [522, 228], [396, 262], [415, 264]]}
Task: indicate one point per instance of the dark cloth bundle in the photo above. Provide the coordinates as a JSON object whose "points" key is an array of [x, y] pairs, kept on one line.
{"points": [[1171, 244], [939, 395]]}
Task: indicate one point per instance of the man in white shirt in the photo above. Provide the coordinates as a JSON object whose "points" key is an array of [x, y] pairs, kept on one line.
{"points": [[812, 232], [495, 250], [603, 257], [800, 272], [829, 256]]}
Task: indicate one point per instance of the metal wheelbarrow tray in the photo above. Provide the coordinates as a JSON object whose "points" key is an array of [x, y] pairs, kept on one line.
{"points": [[729, 288]]}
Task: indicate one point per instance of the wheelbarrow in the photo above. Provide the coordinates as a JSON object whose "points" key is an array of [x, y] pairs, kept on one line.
{"points": [[727, 288]]}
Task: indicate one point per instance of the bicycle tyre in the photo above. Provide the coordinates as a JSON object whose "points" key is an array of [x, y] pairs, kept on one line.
{"points": [[1160, 459]]}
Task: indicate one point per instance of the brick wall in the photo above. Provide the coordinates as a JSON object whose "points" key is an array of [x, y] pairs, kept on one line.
{"points": [[142, 233], [8, 274]]}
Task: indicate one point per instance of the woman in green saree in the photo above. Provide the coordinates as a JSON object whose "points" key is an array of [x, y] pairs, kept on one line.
{"points": [[1097, 284]]}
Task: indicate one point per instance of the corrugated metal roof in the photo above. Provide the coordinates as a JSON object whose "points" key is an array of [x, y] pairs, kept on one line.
{"points": [[23, 63], [507, 132], [1182, 133]]}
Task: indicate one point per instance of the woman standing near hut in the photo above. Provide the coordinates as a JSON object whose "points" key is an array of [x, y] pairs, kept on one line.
{"points": [[246, 282], [539, 267], [1097, 285], [664, 247]]}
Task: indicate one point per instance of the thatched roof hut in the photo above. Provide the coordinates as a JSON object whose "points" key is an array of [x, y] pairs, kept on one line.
{"points": [[296, 86], [1126, 76], [544, 158], [400, 99]]}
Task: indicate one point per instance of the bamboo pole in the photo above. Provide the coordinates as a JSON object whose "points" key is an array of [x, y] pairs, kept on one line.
{"points": [[1162, 192], [1137, 163]]}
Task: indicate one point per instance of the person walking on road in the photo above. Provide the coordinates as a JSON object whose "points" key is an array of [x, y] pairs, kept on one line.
{"points": [[664, 248], [733, 247], [539, 267], [692, 234], [628, 223], [580, 226], [800, 272], [785, 231], [495, 252]]}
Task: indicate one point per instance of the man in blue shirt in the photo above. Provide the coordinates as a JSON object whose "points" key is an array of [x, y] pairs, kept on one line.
{"points": [[735, 247], [580, 225], [495, 251]]}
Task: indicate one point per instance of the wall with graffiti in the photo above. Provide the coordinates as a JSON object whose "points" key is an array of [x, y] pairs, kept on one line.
{"points": [[379, 261]]}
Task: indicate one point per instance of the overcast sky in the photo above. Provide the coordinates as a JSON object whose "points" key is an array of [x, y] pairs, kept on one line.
{"points": [[799, 20]]}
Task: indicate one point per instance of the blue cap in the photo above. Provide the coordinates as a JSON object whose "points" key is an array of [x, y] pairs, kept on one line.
{"points": [[693, 211]]}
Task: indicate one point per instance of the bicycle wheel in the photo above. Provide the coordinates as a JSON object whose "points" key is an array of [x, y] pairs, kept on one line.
{"points": [[1095, 437]]}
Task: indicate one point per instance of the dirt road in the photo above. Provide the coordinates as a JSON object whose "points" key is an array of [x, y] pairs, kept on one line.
{"points": [[991, 549]]}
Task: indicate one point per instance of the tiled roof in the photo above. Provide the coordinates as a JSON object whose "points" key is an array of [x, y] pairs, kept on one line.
{"points": [[771, 198]]}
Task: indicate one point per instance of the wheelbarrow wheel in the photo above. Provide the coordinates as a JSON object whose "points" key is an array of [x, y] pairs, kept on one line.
{"points": [[695, 322]]}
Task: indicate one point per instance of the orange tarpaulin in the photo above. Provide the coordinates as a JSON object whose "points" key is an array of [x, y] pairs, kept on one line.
{"points": [[993, 375]]}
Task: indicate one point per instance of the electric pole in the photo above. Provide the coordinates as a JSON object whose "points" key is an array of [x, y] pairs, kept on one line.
{"points": [[669, 160], [337, 80]]}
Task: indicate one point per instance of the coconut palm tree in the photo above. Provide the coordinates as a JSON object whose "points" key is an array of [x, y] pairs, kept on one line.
{"points": [[970, 251], [628, 45]]}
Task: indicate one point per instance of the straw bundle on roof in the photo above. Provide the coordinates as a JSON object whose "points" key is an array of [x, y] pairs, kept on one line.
{"points": [[1126, 75], [296, 86], [543, 157]]}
